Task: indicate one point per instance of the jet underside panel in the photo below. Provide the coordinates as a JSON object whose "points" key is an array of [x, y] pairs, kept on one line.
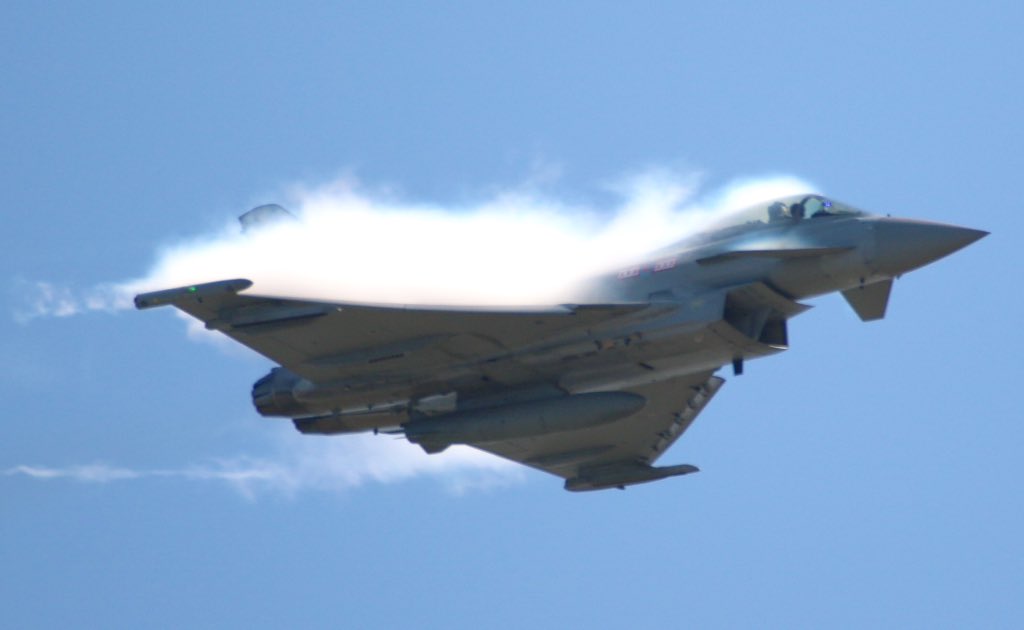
{"points": [[356, 355], [638, 439], [395, 357]]}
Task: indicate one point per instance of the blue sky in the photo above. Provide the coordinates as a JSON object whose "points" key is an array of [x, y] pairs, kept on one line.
{"points": [[866, 477]]}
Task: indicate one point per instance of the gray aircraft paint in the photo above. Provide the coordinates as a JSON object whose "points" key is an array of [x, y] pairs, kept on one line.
{"points": [[594, 391]]}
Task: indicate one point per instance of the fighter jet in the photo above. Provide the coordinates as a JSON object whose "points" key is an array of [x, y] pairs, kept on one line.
{"points": [[594, 392]]}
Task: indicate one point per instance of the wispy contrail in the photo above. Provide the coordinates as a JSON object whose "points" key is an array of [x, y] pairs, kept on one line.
{"points": [[303, 464]]}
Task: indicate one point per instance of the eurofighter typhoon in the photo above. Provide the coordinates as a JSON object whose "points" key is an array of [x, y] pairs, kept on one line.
{"points": [[594, 392]]}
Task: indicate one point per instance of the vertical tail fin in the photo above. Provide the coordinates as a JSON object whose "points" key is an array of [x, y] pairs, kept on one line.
{"points": [[261, 216]]}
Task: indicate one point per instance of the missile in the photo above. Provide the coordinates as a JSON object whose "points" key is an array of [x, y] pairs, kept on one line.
{"points": [[620, 476], [540, 417]]}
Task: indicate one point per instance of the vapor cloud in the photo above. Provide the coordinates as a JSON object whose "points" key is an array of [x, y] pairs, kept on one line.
{"points": [[304, 465], [350, 244], [516, 247]]}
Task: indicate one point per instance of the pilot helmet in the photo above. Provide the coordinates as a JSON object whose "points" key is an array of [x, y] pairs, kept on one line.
{"points": [[777, 210]]}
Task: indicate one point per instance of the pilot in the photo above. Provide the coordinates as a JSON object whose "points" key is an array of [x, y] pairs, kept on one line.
{"points": [[797, 210], [824, 207], [776, 212]]}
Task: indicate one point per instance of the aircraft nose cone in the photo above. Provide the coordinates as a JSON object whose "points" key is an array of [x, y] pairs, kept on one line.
{"points": [[902, 245]]}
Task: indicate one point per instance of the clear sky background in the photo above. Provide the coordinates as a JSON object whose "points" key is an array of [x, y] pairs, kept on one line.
{"points": [[868, 477]]}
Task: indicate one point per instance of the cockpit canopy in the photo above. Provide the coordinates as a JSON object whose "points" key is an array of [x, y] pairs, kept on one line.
{"points": [[787, 210]]}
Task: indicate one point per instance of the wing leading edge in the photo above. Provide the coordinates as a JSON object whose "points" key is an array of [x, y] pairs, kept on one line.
{"points": [[325, 341]]}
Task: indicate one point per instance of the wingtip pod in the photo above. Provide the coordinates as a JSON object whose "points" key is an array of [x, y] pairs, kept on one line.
{"points": [[622, 476], [195, 292]]}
